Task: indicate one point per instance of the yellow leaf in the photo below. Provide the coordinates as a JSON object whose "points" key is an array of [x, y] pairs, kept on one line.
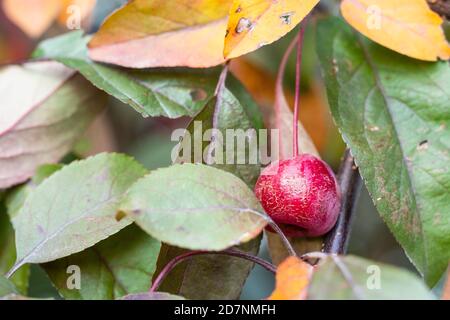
{"points": [[409, 27], [163, 33], [293, 277], [254, 23], [34, 17]]}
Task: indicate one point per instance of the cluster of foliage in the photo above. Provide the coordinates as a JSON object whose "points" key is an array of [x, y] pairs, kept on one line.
{"points": [[388, 93]]}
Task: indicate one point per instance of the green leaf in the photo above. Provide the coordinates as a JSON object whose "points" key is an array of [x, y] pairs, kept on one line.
{"points": [[229, 114], [43, 117], [8, 253], [195, 207], [121, 265], [74, 208], [152, 296], [350, 278], [218, 277], [394, 114], [152, 93], [17, 197], [6, 287]]}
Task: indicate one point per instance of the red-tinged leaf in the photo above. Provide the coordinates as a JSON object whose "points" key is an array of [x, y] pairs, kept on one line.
{"points": [[149, 33]]}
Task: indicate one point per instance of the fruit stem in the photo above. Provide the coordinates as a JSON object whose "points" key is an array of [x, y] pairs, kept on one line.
{"points": [[298, 77], [350, 182], [230, 252]]}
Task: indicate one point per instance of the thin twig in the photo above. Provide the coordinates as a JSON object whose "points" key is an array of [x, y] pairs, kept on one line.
{"points": [[350, 183], [230, 252]]}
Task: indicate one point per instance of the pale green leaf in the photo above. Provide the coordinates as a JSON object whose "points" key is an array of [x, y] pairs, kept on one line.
{"points": [[195, 207], [45, 108], [352, 278], [74, 208]]}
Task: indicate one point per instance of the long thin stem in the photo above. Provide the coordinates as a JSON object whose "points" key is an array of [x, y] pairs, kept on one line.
{"points": [[230, 252], [280, 99], [298, 76], [350, 183]]}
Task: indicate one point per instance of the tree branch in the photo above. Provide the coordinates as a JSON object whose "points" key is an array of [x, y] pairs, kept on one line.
{"points": [[336, 241]]}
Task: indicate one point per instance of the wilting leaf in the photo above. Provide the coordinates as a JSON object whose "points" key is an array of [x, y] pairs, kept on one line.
{"points": [[42, 117], [118, 266], [8, 253], [79, 203], [255, 23], [152, 296], [153, 93], [397, 125], [350, 278], [293, 277], [6, 287], [34, 17], [195, 207], [409, 27], [150, 33]]}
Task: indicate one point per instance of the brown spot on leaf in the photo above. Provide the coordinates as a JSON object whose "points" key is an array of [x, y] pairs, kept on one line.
{"points": [[286, 18], [120, 215], [198, 95]]}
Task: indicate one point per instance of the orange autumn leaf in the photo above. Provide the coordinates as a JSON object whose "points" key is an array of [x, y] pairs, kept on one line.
{"points": [[409, 27], [154, 33], [293, 277], [254, 23], [34, 17]]}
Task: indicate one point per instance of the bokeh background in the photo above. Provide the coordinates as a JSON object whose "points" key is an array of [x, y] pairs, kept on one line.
{"points": [[122, 129]]}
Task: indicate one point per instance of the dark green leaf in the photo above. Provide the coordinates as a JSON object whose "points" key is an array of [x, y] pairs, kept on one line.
{"points": [[394, 114], [121, 265], [8, 253]]}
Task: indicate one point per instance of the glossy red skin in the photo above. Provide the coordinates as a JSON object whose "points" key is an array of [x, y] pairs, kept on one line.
{"points": [[301, 195]]}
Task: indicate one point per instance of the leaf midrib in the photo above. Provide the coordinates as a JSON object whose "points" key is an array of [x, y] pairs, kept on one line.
{"points": [[379, 85]]}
